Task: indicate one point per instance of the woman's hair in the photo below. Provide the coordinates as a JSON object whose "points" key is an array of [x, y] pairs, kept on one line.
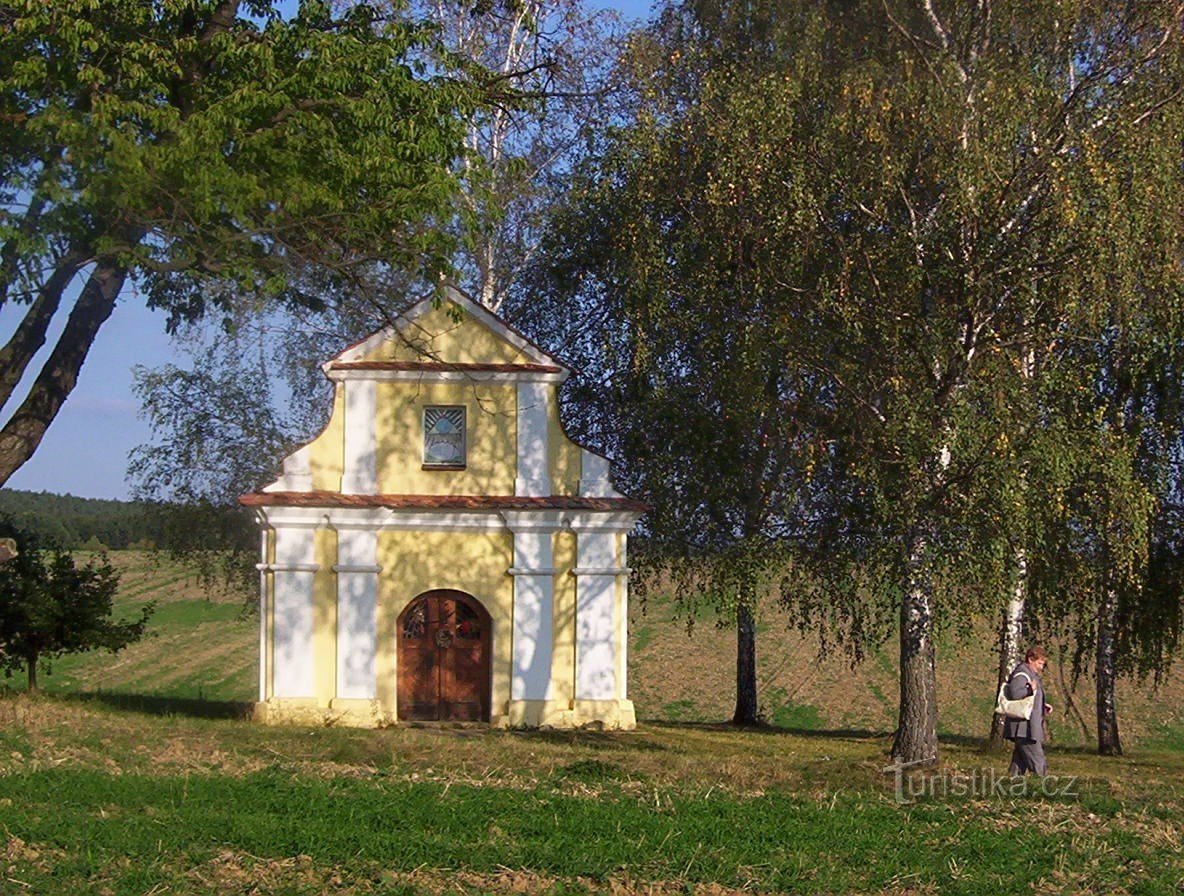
{"points": [[1036, 652]]}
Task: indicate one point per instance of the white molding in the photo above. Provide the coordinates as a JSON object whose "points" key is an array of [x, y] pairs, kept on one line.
{"points": [[349, 518], [288, 567], [550, 520], [603, 520], [356, 567], [601, 571], [542, 571], [276, 517]]}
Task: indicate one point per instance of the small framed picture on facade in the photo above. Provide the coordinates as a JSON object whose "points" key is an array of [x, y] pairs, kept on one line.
{"points": [[444, 437]]}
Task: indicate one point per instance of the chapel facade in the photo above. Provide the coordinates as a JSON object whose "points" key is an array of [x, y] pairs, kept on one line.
{"points": [[442, 551]]}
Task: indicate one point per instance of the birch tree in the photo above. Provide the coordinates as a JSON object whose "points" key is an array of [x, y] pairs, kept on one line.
{"points": [[558, 54], [950, 180]]}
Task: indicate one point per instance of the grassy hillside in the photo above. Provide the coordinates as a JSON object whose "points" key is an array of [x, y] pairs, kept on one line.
{"points": [[203, 646], [152, 782], [199, 645]]}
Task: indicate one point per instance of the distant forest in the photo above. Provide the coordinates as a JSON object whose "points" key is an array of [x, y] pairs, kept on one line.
{"points": [[82, 523]]}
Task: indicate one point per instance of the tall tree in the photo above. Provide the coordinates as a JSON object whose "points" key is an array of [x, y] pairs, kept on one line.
{"points": [[945, 180], [661, 284], [558, 54], [201, 151], [995, 222]]}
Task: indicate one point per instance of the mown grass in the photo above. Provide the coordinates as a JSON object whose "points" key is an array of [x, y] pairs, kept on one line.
{"points": [[96, 798], [139, 774]]}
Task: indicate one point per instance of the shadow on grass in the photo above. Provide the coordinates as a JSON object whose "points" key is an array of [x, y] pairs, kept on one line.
{"points": [[155, 705], [774, 730], [620, 740]]}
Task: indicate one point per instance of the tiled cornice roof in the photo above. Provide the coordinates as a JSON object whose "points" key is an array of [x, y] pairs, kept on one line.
{"points": [[444, 365], [439, 502]]}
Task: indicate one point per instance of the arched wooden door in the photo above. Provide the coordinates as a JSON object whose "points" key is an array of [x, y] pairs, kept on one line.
{"points": [[444, 658]]}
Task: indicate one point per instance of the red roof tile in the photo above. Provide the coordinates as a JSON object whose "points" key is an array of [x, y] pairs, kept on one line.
{"points": [[439, 502], [444, 365]]}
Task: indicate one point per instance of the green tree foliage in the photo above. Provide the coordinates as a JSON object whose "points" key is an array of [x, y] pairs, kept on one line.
{"points": [[49, 606], [687, 375], [255, 388], [208, 153], [945, 212]]}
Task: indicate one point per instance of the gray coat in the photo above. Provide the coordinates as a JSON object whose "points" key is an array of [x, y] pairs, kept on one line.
{"points": [[1019, 687]]}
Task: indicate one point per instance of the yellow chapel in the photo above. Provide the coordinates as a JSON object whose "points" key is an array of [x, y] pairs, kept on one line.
{"points": [[442, 551]]}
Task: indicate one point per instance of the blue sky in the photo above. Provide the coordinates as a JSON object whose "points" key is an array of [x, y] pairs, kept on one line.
{"points": [[85, 451]]}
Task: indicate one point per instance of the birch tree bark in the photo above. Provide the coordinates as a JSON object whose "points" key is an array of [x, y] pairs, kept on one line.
{"points": [[1011, 633], [1106, 674]]}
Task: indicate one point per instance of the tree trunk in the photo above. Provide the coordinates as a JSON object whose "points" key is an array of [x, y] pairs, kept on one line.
{"points": [[746, 707], [25, 429], [916, 732], [1105, 673], [29, 336], [31, 667], [1011, 632]]}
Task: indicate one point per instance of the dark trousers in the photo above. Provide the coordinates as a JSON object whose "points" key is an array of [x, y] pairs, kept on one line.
{"points": [[1028, 756]]}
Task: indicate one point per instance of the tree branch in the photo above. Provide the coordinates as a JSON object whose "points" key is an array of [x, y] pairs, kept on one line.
{"points": [[25, 429], [29, 336]]}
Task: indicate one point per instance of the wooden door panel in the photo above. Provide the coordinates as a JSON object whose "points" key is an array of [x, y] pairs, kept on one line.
{"points": [[419, 684], [462, 682], [444, 659]]}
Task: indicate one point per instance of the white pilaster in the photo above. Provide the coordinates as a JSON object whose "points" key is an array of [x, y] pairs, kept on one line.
{"points": [[597, 649], [360, 475], [534, 600], [263, 570], [534, 473], [293, 570], [357, 601]]}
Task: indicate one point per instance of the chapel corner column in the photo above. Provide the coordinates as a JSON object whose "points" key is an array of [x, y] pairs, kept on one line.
{"points": [[288, 687], [601, 695], [266, 592]]}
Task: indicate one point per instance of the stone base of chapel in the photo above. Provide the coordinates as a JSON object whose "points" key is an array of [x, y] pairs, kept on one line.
{"points": [[341, 711], [608, 715], [611, 715]]}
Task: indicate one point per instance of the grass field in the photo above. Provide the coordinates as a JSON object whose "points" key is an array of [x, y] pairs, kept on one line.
{"points": [[138, 774]]}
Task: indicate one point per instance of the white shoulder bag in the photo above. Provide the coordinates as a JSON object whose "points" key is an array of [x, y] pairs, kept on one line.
{"points": [[1015, 709]]}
